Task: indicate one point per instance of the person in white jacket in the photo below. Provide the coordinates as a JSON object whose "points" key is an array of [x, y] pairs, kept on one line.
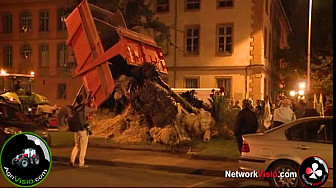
{"points": [[284, 114]]}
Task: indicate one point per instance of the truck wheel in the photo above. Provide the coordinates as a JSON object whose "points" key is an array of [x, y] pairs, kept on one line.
{"points": [[23, 163], [36, 159]]}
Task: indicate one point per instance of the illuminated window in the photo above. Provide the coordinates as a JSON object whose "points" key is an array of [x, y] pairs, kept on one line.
{"points": [[162, 6], [8, 56], [225, 39], [8, 23], [44, 59], [225, 3], [192, 40], [193, 4], [192, 82], [44, 20], [26, 22], [26, 51], [224, 83]]}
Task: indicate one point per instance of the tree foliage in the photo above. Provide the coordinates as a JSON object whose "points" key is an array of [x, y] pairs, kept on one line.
{"points": [[137, 13], [321, 41], [322, 74]]}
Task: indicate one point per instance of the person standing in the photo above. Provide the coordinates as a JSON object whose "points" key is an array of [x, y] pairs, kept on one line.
{"points": [[300, 111], [81, 136], [328, 111], [283, 114], [247, 123], [267, 116], [236, 105]]}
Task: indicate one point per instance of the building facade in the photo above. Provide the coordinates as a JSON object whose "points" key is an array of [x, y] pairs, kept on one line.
{"points": [[224, 43], [32, 38], [214, 43]]}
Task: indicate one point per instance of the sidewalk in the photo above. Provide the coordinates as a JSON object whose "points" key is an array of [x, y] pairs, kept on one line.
{"points": [[155, 160]]}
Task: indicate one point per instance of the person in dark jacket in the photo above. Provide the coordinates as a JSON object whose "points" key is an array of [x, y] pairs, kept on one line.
{"points": [[247, 123]]}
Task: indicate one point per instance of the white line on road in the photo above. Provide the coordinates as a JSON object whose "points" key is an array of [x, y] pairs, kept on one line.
{"points": [[204, 182]]}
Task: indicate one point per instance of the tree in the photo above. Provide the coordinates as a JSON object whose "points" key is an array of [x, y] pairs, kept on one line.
{"points": [[322, 74], [137, 13]]}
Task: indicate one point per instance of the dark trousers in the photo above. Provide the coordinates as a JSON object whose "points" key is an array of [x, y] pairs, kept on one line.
{"points": [[239, 140]]}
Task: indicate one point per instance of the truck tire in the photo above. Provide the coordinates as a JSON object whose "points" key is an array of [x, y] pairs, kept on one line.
{"points": [[23, 163]]}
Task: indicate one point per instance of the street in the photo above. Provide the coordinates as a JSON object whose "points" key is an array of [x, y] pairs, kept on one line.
{"points": [[62, 175]]}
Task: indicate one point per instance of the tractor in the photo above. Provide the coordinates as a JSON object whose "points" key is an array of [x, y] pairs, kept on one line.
{"points": [[16, 89], [28, 156]]}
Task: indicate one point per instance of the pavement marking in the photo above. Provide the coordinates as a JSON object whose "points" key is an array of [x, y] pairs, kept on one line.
{"points": [[204, 182]]}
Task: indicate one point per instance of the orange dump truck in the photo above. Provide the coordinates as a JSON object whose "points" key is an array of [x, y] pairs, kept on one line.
{"points": [[104, 48]]}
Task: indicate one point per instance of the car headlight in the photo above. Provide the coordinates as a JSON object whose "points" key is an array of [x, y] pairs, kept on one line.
{"points": [[42, 132], [12, 130]]}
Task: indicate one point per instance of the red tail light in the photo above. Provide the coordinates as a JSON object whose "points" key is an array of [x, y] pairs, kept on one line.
{"points": [[245, 147]]}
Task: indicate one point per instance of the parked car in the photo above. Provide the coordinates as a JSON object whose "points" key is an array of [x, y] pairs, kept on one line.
{"points": [[285, 147], [13, 121]]}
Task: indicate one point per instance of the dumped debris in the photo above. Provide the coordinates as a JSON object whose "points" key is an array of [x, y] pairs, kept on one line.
{"points": [[147, 110]]}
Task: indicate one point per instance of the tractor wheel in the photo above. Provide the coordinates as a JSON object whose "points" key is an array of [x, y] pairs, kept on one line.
{"points": [[23, 163], [13, 161], [36, 159]]}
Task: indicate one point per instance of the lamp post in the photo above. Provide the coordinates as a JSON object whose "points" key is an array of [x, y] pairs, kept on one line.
{"points": [[308, 54]]}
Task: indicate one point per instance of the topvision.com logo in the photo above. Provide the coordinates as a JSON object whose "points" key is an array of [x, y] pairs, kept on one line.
{"points": [[313, 172], [25, 159]]}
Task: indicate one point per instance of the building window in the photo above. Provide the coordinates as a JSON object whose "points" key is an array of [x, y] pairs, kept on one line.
{"points": [[192, 40], [61, 91], [61, 19], [62, 54], [8, 23], [192, 82], [44, 59], [225, 3], [26, 51], [225, 84], [265, 42], [26, 22], [44, 20], [193, 4], [225, 38], [8, 56], [162, 6]]}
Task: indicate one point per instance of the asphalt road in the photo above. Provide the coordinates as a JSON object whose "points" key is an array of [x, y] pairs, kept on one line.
{"points": [[62, 175]]}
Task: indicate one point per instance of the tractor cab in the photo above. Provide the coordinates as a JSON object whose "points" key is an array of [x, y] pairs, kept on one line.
{"points": [[16, 89]]}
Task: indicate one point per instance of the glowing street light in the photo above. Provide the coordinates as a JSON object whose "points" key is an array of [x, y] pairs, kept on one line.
{"points": [[302, 85], [301, 92], [292, 93]]}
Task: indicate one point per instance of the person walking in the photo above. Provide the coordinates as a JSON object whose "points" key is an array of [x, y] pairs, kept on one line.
{"points": [[283, 114], [81, 136], [247, 123]]}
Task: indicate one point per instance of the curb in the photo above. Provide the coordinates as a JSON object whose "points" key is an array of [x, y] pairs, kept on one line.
{"points": [[173, 169]]}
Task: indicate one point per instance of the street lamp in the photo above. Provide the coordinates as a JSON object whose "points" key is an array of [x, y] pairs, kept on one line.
{"points": [[308, 54], [301, 92], [302, 85], [292, 93]]}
